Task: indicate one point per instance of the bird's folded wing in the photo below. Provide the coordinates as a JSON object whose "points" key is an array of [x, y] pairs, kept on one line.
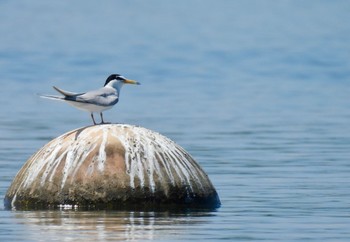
{"points": [[98, 97], [66, 93]]}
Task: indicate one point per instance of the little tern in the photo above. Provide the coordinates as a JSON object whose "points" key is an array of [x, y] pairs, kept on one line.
{"points": [[95, 101]]}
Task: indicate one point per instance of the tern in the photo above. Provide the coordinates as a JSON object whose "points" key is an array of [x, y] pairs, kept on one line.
{"points": [[95, 101]]}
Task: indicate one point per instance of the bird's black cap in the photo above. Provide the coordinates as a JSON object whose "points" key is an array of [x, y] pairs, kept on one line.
{"points": [[114, 77]]}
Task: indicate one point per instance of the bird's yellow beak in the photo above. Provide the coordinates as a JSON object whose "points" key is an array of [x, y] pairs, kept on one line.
{"points": [[131, 82]]}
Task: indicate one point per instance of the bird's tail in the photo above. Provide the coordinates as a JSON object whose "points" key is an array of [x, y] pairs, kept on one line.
{"points": [[66, 95], [52, 97]]}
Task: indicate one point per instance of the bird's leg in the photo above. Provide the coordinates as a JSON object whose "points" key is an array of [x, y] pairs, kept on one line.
{"points": [[101, 115], [102, 121], [93, 120]]}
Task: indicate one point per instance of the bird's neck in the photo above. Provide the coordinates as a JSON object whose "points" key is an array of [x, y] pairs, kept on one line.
{"points": [[115, 85]]}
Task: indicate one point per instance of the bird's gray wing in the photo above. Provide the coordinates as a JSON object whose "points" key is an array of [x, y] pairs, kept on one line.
{"points": [[66, 93], [103, 97]]}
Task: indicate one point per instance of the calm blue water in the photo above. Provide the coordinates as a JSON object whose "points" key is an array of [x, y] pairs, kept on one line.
{"points": [[257, 91]]}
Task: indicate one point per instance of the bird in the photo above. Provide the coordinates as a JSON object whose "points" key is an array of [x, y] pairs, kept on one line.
{"points": [[95, 101]]}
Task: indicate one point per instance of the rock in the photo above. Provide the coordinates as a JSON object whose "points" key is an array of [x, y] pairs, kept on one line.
{"points": [[111, 166]]}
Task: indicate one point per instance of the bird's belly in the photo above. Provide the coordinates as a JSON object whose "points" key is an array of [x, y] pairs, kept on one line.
{"points": [[88, 107]]}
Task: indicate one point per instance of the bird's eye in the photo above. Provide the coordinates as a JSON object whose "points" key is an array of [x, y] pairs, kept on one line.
{"points": [[120, 78]]}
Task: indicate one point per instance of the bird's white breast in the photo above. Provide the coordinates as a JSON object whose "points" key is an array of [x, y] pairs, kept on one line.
{"points": [[92, 108]]}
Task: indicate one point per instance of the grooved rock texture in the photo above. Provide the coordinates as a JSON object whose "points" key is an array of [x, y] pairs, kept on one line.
{"points": [[111, 166]]}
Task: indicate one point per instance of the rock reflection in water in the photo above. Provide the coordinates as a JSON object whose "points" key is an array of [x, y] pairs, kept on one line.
{"points": [[107, 225]]}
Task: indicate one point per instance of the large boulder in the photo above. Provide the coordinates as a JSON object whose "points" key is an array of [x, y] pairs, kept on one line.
{"points": [[111, 166]]}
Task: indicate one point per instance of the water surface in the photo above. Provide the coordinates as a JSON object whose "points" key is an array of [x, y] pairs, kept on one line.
{"points": [[256, 91]]}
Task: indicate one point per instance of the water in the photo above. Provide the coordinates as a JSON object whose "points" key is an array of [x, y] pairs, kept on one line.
{"points": [[256, 91]]}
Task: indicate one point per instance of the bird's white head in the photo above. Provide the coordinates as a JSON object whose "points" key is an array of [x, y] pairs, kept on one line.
{"points": [[117, 81]]}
